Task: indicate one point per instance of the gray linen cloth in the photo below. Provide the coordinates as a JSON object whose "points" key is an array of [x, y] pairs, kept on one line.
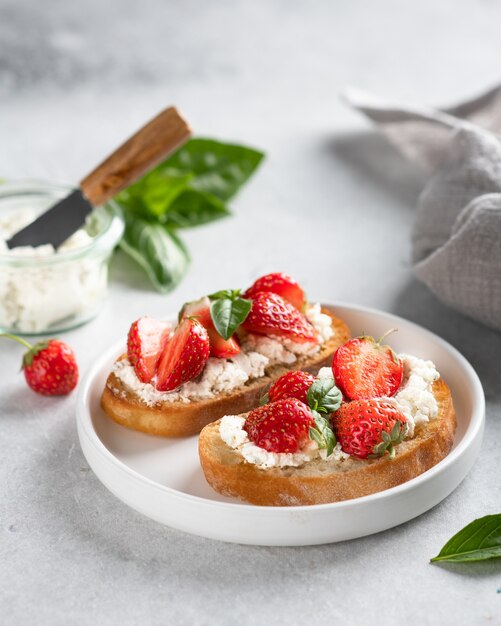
{"points": [[456, 240]]}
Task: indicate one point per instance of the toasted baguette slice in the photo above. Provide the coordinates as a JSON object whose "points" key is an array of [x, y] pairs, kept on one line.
{"points": [[318, 481], [180, 419]]}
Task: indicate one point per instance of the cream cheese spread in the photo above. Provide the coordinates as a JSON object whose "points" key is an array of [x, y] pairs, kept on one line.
{"points": [[414, 399], [233, 434], [225, 375], [37, 296], [219, 376]]}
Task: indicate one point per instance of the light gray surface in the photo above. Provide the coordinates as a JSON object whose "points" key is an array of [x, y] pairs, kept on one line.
{"points": [[332, 205]]}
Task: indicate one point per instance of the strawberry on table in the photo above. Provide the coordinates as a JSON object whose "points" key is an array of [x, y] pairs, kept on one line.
{"points": [[370, 427], [281, 426], [145, 342], [50, 366], [272, 315], [293, 384], [281, 284], [366, 368], [184, 355]]}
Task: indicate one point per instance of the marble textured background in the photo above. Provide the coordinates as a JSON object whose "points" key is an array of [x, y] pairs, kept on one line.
{"points": [[333, 205]]}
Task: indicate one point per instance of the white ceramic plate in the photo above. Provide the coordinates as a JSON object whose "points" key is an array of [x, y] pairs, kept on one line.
{"points": [[162, 478]]}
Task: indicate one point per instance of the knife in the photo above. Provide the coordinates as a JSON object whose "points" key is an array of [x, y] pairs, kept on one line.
{"points": [[148, 147]]}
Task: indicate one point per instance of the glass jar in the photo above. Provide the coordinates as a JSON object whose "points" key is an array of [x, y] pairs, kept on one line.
{"points": [[45, 291]]}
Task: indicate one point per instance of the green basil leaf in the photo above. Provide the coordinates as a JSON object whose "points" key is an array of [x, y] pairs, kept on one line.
{"points": [[218, 168], [227, 314], [324, 427], [324, 396], [478, 541], [155, 192], [188, 189], [194, 208], [231, 294], [160, 252], [317, 436]]}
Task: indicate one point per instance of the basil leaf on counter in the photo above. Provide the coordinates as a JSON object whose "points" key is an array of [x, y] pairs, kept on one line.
{"points": [[228, 313], [478, 541], [218, 168], [323, 396], [154, 193], [193, 208], [188, 189], [160, 252]]}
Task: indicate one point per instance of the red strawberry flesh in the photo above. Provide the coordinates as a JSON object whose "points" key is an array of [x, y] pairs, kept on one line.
{"points": [[281, 426], [183, 357], [272, 315], [219, 347], [293, 384], [146, 340], [281, 284], [363, 368]]}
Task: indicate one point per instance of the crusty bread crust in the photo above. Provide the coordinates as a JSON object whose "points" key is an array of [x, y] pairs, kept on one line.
{"points": [[180, 419], [318, 481]]}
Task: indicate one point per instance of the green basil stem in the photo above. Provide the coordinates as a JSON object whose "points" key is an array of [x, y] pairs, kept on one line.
{"points": [[18, 339]]}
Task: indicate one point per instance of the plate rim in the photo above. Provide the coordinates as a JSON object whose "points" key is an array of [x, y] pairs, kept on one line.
{"points": [[476, 424]]}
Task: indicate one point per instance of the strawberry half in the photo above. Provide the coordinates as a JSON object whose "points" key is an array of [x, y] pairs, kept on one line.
{"points": [[364, 368], [369, 427], [183, 357], [281, 426], [146, 340], [293, 384], [281, 284], [219, 347], [272, 315]]}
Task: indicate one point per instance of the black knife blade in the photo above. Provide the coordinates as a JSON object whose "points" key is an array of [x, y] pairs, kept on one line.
{"points": [[56, 224], [151, 144]]}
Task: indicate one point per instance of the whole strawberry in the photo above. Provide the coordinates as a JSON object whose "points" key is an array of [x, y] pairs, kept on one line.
{"points": [[366, 368], [281, 284], [183, 357], [281, 426], [293, 384], [50, 366], [369, 427], [272, 315]]}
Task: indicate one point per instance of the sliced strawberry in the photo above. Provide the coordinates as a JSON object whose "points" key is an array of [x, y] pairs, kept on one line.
{"points": [[145, 342], [364, 368], [293, 384], [281, 426], [272, 315], [281, 284], [183, 357], [369, 427], [219, 347]]}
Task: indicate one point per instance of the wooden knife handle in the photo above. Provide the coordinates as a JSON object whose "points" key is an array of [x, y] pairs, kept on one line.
{"points": [[148, 147]]}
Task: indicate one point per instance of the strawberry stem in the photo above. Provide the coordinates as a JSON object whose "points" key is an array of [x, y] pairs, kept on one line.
{"points": [[18, 339], [388, 332]]}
